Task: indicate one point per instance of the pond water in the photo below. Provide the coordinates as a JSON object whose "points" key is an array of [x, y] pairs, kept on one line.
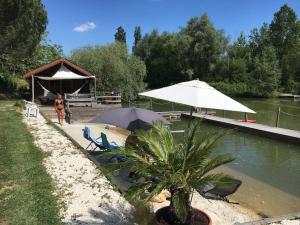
{"points": [[269, 169]]}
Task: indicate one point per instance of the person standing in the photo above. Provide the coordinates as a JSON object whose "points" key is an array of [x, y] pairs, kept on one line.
{"points": [[59, 108]]}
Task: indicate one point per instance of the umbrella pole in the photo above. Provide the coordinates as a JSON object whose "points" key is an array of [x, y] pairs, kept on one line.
{"points": [[191, 116]]}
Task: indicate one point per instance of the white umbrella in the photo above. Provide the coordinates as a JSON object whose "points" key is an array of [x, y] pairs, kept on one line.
{"points": [[197, 94]]}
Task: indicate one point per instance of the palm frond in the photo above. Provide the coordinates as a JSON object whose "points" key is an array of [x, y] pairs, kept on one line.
{"points": [[219, 179], [216, 162]]}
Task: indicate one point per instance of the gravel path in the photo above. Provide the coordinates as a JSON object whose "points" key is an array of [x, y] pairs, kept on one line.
{"points": [[87, 196]]}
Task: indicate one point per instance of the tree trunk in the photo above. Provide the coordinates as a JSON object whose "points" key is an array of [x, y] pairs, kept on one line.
{"points": [[187, 204]]}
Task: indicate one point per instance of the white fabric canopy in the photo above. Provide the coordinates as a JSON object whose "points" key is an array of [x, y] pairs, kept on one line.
{"points": [[197, 94], [65, 74]]}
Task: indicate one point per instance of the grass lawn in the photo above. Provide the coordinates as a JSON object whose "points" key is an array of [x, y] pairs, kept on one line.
{"points": [[25, 187]]}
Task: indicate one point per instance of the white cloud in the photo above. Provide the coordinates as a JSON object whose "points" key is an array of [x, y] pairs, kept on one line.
{"points": [[85, 27]]}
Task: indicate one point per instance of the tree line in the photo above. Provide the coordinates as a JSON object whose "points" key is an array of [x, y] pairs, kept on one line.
{"points": [[261, 64]]}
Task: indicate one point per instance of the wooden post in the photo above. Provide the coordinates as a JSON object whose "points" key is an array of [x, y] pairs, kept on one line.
{"points": [[246, 117], [60, 87], [191, 116], [95, 86], [32, 88], [277, 118]]}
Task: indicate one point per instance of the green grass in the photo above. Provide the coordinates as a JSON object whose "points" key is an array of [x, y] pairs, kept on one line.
{"points": [[26, 190]]}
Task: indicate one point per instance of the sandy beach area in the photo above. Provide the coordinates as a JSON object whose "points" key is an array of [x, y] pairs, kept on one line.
{"points": [[87, 196], [221, 212]]}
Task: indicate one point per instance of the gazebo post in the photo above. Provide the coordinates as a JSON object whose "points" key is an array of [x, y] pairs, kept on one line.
{"points": [[32, 88], [95, 85]]}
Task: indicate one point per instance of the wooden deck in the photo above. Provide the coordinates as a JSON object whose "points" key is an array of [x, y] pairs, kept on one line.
{"points": [[253, 128], [172, 115]]}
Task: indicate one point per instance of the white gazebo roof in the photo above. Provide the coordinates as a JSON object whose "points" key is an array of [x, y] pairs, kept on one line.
{"points": [[197, 94], [65, 74]]}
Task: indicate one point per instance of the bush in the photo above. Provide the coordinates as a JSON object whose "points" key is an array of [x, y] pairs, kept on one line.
{"points": [[20, 104], [232, 89]]}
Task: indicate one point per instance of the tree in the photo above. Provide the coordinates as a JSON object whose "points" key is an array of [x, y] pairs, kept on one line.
{"points": [[114, 68], [167, 62], [46, 52], [265, 72], [207, 45], [137, 37], [22, 25], [259, 38], [12, 70], [142, 49], [291, 68], [120, 35], [159, 164], [284, 30]]}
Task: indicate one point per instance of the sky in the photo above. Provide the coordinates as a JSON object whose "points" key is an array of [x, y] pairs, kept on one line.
{"points": [[77, 23]]}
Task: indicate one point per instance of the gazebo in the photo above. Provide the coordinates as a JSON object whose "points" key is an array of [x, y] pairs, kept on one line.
{"points": [[60, 76]]}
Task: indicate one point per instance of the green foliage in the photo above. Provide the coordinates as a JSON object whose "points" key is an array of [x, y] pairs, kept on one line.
{"points": [[46, 52], [120, 35], [114, 68], [12, 69], [22, 25], [265, 72], [177, 168], [232, 89], [20, 104], [137, 37], [24, 44], [207, 45], [167, 61], [284, 33], [284, 30], [268, 57]]}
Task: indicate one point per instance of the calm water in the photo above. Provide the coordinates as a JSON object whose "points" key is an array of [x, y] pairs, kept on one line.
{"points": [[273, 166]]}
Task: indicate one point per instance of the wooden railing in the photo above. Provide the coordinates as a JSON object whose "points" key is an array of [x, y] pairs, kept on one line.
{"points": [[90, 99]]}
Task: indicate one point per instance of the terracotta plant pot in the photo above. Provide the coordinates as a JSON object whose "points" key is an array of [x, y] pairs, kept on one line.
{"points": [[161, 214]]}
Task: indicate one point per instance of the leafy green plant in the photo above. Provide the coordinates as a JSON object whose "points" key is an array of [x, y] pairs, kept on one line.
{"points": [[159, 164], [20, 104]]}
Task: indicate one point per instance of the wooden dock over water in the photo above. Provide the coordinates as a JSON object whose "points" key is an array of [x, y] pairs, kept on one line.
{"points": [[254, 128], [172, 115]]}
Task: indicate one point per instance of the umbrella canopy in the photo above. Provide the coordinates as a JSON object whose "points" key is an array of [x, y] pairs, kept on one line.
{"points": [[197, 94], [129, 118]]}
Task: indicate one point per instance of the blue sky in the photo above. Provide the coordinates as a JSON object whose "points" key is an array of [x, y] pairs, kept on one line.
{"points": [[76, 23]]}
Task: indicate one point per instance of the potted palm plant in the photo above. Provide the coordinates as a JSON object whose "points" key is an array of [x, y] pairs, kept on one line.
{"points": [[160, 164]]}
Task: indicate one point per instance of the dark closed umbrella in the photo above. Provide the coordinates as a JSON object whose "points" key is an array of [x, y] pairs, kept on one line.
{"points": [[129, 118]]}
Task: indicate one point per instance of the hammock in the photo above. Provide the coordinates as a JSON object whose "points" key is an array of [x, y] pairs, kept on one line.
{"points": [[52, 96]]}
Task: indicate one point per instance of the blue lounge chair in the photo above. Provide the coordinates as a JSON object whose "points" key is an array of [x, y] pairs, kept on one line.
{"points": [[106, 144], [101, 142], [94, 142]]}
